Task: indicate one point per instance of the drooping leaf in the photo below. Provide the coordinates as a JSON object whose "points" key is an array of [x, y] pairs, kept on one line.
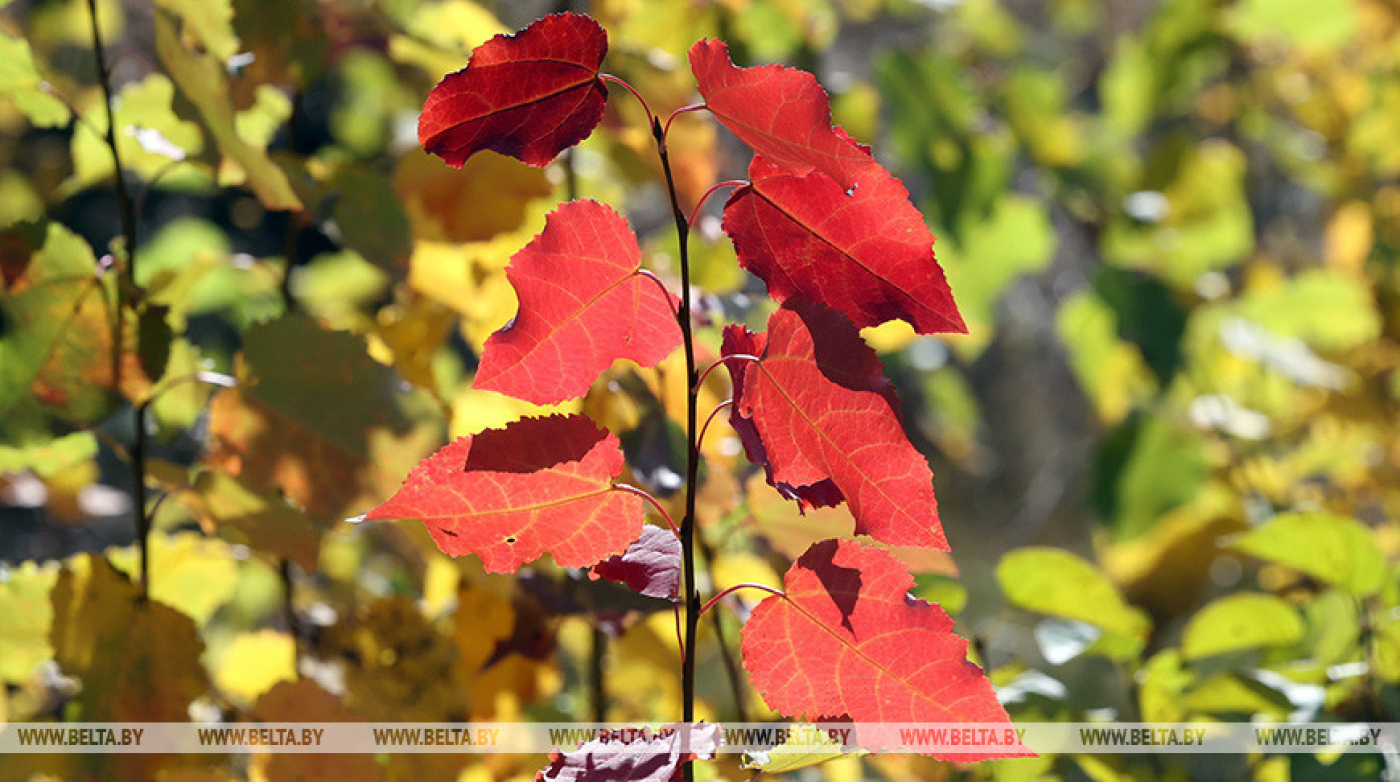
{"points": [[582, 305], [868, 254], [649, 756], [829, 426], [848, 641], [509, 495], [529, 95], [782, 113], [651, 565]]}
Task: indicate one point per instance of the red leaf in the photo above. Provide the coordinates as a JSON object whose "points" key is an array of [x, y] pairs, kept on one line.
{"points": [[848, 641], [582, 305], [782, 113], [508, 495], [820, 406], [868, 254], [650, 566], [639, 756], [529, 95]]}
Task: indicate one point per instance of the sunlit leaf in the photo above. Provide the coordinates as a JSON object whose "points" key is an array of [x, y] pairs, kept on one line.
{"points": [[1331, 548], [1238, 622]]}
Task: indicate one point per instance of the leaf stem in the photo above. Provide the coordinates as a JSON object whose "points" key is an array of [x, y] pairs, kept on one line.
{"points": [[608, 77], [666, 292], [692, 467], [736, 588], [713, 413], [726, 183], [646, 495], [721, 360], [682, 110]]}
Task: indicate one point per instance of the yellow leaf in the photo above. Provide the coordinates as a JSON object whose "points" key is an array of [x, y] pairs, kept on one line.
{"points": [[254, 662]]}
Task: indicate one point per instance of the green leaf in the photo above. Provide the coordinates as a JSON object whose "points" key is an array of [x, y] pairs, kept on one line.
{"points": [[1326, 308], [1334, 549], [48, 458], [149, 134], [25, 617], [1055, 582], [201, 79], [1014, 240], [1313, 26], [56, 331], [1239, 622], [191, 573], [21, 82]]}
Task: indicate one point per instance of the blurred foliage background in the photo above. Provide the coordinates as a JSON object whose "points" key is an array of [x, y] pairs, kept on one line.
{"points": [[1166, 455]]}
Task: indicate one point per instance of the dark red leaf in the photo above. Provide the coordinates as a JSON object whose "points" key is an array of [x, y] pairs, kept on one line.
{"points": [[820, 406], [529, 95], [633, 755], [848, 641], [651, 565], [782, 113], [582, 305], [509, 495], [868, 254]]}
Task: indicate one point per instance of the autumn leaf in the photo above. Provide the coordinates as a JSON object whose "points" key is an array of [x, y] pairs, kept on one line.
{"points": [[650, 566], [868, 254], [646, 756], [781, 113], [827, 421], [582, 305], [529, 95], [509, 495], [847, 641]]}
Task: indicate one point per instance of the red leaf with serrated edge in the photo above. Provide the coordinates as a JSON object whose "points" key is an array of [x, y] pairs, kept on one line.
{"points": [[633, 755], [820, 405], [529, 95], [509, 495], [847, 641], [781, 113], [582, 305], [868, 254], [650, 566]]}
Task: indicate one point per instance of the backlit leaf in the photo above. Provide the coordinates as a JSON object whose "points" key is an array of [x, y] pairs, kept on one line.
{"points": [[868, 254], [582, 304], [509, 495], [848, 641], [782, 113], [529, 95], [828, 424]]}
